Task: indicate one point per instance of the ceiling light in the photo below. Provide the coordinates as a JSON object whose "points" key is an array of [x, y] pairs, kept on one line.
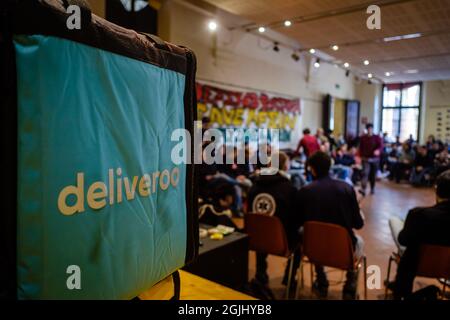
{"points": [[402, 37], [312, 51], [335, 47], [346, 65], [412, 35], [370, 76], [261, 29], [317, 63], [366, 62], [212, 25], [387, 74], [287, 23], [411, 71]]}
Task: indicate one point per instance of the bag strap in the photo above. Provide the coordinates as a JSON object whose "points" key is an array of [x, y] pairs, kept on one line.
{"points": [[8, 143], [176, 285]]}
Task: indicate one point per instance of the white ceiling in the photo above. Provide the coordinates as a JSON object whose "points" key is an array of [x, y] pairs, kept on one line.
{"points": [[428, 54]]}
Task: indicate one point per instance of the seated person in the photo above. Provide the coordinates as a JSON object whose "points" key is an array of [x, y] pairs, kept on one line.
{"points": [[404, 163], [435, 148], [423, 165], [343, 163], [344, 157], [235, 174], [442, 161], [357, 167], [259, 158], [216, 209], [430, 141], [428, 225], [392, 159], [273, 194], [206, 175], [331, 201]]}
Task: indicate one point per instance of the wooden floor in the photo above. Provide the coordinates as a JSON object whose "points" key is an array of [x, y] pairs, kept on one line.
{"points": [[390, 200]]}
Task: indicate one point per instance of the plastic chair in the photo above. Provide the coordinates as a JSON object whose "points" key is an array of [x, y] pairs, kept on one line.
{"points": [[267, 235], [434, 262], [330, 245]]}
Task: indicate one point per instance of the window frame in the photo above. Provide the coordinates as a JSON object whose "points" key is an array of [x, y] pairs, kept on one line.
{"points": [[401, 107]]}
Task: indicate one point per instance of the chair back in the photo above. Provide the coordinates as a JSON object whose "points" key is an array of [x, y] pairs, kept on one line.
{"points": [[328, 244], [434, 261], [267, 234]]}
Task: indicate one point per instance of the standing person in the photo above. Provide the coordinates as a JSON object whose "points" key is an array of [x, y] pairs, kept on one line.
{"points": [[321, 137], [370, 148], [309, 144]]}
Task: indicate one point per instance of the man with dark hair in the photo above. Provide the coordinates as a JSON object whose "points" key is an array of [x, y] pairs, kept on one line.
{"points": [[216, 209], [331, 201], [429, 225], [370, 148], [422, 166], [309, 143], [273, 194]]}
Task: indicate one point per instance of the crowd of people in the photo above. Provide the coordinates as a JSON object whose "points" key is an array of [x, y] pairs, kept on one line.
{"points": [[418, 164], [334, 180], [361, 161]]}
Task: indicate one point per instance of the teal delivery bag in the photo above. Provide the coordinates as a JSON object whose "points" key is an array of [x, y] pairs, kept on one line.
{"points": [[95, 208]]}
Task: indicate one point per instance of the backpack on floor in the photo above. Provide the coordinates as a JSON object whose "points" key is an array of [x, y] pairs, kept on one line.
{"points": [[93, 207]]}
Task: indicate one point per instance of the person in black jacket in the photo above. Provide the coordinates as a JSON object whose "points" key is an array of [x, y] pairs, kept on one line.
{"points": [[423, 226], [331, 201], [215, 209], [422, 166], [273, 194]]}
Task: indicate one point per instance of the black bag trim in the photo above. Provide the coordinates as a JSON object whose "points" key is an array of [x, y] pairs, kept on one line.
{"points": [[190, 112], [8, 216], [49, 17], [176, 285]]}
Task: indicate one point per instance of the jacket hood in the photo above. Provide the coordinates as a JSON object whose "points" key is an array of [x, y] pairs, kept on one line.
{"points": [[271, 179]]}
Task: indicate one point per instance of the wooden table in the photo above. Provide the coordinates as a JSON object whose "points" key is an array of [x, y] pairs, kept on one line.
{"points": [[194, 288], [223, 261]]}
